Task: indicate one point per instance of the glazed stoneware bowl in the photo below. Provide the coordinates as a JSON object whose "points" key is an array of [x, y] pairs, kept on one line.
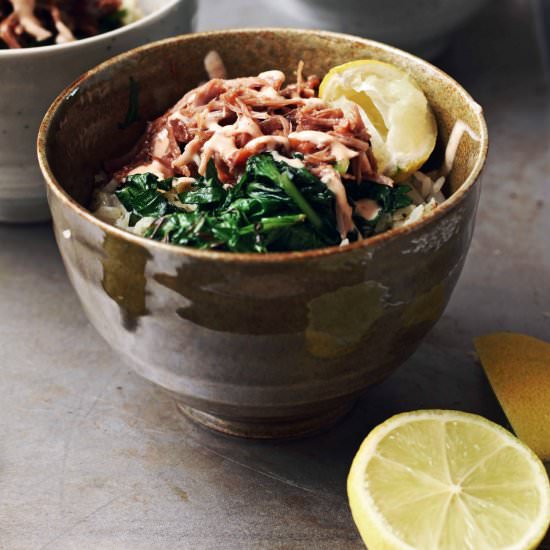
{"points": [[31, 78], [255, 345]]}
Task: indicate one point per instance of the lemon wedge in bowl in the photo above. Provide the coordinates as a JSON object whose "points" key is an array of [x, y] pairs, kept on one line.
{"points": [[447, 480], [395, 111]]}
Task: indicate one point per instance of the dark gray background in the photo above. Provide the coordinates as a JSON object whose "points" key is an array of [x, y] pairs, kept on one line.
{"points": [[93, 457]]}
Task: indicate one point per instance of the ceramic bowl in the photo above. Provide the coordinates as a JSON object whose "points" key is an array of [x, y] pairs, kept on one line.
{"points": [[423, 27], [32, 77], [256, 345]]}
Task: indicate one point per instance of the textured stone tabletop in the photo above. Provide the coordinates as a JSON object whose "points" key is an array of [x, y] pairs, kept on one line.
{"points": [[93, 457]]}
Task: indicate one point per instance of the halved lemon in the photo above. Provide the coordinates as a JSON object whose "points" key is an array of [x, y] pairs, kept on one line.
{"points": [[447, 480], [395, 111]]}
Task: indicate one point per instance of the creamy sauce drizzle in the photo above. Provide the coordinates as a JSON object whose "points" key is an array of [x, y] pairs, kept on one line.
{"points": [[320, 139], [330, 177]]}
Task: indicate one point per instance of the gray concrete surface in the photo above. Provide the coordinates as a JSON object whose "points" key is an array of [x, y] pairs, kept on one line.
{"points": [[92, 457]]}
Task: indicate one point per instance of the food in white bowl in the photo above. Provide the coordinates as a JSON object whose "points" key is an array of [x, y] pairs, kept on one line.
{"points": [[34, 23], [32, 77]]}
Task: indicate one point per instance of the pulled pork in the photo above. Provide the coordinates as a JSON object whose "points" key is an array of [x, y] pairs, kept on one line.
{"points": [[25, 23], [229, 120]]}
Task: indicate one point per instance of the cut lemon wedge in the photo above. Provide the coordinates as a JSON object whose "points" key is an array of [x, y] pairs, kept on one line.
{"points": [[447, 480], [395, 111], [518, 368]]}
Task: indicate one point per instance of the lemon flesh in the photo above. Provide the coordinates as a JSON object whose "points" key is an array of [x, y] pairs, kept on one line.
{"points": [[394, 109], [447, 480]]}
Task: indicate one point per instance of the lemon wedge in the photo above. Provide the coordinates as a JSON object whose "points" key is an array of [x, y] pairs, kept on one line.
{"points": [[447, 480], [518, 368], [394, 109]]}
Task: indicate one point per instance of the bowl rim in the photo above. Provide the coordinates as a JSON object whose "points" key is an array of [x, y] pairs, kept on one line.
{"points": [[249, 257], [39, 51]]}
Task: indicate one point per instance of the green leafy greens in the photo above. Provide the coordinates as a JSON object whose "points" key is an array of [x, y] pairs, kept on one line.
{"points": [[273, 207], [141, 198], [388, 198], [112, 21]]}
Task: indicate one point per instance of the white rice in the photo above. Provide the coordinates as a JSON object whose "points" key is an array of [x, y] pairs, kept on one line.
{"points": [[426, 192]]}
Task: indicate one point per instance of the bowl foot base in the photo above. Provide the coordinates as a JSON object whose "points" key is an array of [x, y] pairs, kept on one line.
{"points": [[269, 428]]}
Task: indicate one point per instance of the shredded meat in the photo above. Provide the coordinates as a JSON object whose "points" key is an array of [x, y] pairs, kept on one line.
{"points": [[24, 23], [230, 120], [9, 31]]}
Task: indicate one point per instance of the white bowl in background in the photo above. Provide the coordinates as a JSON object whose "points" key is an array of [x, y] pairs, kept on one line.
{"points": [[30, 78]]}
